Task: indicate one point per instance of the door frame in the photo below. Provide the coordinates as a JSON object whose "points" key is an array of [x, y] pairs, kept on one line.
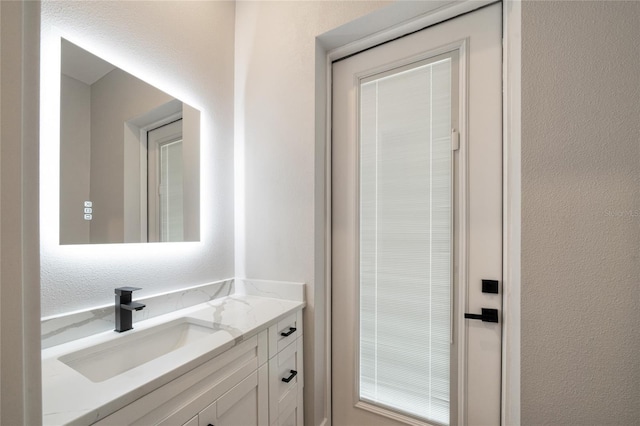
{"points": [[511, 191]]}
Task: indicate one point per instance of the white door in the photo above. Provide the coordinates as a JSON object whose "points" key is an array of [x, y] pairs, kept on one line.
{"points": [[165, 183], [417, 227]]}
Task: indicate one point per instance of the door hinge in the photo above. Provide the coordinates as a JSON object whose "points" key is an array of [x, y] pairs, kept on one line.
{"points": [[455, 140]]}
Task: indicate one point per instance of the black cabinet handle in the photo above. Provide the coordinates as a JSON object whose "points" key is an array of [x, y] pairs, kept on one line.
{"points": [[488, 315], [288, 333], [210, 424], [290, 378]]}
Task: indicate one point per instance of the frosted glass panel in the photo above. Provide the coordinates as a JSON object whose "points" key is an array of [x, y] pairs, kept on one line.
{"points": [[171, 204], [405, 240]]}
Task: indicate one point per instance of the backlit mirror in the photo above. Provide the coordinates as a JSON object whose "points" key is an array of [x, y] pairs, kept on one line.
{"points": [[129, 157]]}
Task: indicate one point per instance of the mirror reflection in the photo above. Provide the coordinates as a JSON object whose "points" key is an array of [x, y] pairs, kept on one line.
{"points": [[129, 157]]}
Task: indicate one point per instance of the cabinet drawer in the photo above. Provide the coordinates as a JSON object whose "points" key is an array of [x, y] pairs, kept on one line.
{"points": [[291, 413], [291, 419], [284, 333], [285, 380], [290, 408], [192, 422], [245, 404]]}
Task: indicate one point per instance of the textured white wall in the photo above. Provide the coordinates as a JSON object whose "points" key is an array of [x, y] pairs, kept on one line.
{"points": [[275, 95], [185, 49], [580, 213]]}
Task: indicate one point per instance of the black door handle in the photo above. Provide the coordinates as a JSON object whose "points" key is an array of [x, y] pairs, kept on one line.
{"points": [[488, 315]]}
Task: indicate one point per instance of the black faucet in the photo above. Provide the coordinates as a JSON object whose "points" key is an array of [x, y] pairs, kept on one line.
{"points": [[125, 307]]}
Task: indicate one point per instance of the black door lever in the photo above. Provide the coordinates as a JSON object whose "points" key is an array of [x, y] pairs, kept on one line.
{"points": [[488, 315]]}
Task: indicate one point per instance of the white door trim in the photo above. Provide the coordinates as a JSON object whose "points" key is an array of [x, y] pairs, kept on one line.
{"points": [[511, 140], [440, 14], [510, 409], [21, 398]]}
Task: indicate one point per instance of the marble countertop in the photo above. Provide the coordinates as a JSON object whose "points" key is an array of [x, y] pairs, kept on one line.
{"points": [[71, 398]]}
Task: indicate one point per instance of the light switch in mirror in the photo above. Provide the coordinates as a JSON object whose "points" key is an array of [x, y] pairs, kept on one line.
{"points": [[131, 149]]}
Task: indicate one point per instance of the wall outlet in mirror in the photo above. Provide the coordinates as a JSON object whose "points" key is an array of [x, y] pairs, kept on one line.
{"points": [[130, 148]]}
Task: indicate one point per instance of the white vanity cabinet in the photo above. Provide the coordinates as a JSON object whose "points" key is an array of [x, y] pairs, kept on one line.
{"points": [[285, 372], [245, 404], [192, 422], [236, 377], [243, 386]]}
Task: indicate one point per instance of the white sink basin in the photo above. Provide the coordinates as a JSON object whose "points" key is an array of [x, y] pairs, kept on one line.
{"points": [[132, 349]]}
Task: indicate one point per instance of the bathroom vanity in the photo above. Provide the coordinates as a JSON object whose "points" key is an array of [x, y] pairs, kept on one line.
{"points": [[236, 360]]}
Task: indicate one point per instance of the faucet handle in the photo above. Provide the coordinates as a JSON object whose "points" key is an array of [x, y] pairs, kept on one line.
{"points": [[126, 290]]}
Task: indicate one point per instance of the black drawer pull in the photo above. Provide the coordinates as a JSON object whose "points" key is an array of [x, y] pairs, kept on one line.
{"points": [[288, 333], [290, 378], [210, 424]]}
